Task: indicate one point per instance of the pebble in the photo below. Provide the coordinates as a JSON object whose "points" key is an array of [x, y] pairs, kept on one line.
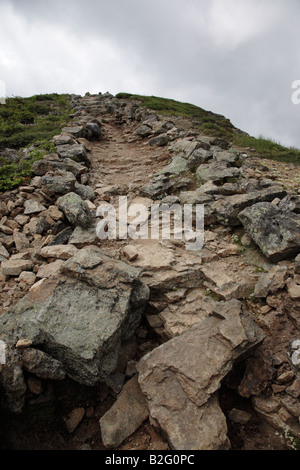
{"points": [[23, 343], [28, 277], [73, 419], [35, 385], [286, 377], [240, 416]]}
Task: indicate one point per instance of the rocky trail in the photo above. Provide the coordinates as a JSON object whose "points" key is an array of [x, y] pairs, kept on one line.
{"points": [[141, 344]]}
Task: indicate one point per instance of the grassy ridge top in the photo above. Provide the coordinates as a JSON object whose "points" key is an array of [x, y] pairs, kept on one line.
{"points": [[217, 125], [208, 122]]}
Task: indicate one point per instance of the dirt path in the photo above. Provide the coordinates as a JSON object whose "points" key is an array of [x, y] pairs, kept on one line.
{"points": [[116, 162]]}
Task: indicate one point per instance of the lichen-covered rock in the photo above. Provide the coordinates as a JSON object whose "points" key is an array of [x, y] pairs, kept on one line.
{"points": [[276, 232], [54, 163], [178, 165], [58, 182], [80, 319], [74, 152], [227, 209], [158, 185], [75, 209], [217, 172]]}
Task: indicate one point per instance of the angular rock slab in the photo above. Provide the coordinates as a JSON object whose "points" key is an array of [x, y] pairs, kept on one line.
{"points": [[181, 377], [227, 209], [276, 232], [81, 319], [125, 416]]}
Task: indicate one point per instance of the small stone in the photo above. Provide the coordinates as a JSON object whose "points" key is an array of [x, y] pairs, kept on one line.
{"points": [[12, 224], [266, 404], [6, 230], [59, 251], [35, 385], [293, 290], [42, 365], [246, 240], [23, 343], [294, 389], [75, 209], [273, 301], [22, 219], [278, 388], [286, 377], [265, 309], [4, 255], [154, 321], [20, 240], [55, 213], [28, 277], [18, 256], [50, 270], [90, 205], [32, 226], [73, 419], [115, 382], [239, 416], [15, 267], [37, 285], [276, 201], [32, 206], [131, 369], [130, 253], [271, 282]]}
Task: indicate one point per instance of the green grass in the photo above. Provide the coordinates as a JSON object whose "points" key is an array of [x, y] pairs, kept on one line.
{"points": [[27, 120], [209, 123], [14, 174], [268, 148], [216, 125]]}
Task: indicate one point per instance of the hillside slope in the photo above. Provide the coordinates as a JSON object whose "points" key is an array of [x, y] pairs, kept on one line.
{"points": [[139, 343]]}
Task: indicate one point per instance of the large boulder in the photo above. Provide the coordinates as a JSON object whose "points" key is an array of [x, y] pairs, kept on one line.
{"points": [[218, 172], [184, 147], [53, 163], [75, 209], [227, 209], [81, 318], [74, 152], [75, 131], [158, 185], [275, 231], [177, 166], [58, 182], [181, 377]]}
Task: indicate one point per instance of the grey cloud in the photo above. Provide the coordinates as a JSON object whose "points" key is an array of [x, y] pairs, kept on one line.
{"points": [[239, 60]]}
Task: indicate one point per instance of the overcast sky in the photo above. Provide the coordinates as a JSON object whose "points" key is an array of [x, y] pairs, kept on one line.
{"points": [[238, 58]]}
